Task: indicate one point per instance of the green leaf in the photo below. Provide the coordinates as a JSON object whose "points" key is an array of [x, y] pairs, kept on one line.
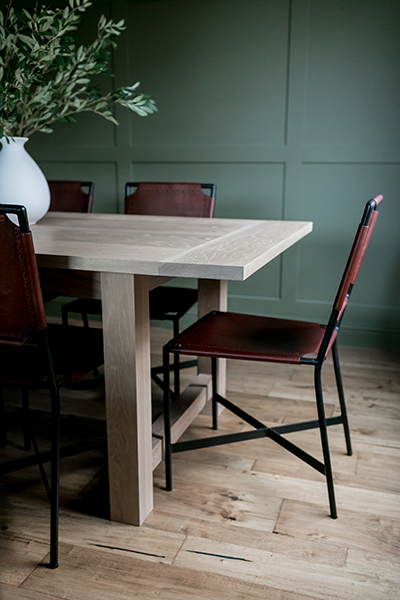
{"points": [[139, 111], [26, 39], [134, 86], [109, 117]]}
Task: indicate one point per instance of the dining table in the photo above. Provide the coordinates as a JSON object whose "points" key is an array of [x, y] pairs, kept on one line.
{"points": [[120, 258]]}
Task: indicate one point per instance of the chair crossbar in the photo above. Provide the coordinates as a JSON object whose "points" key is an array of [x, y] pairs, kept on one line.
{"points": [[261, 430], [219, 440], [293, 449], [43, 457], [184, 364], [239, 412], [304, 425]]}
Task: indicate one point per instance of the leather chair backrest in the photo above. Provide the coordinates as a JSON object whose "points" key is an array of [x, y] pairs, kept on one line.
{"points": [[21, 302], [351, 271], [170, 199], [68, 196]]}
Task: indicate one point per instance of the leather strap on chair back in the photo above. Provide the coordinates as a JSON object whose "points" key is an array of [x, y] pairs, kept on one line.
{"points": [[170, 199], [357, 253], [21, 302], [68, 196], [351, 271]]}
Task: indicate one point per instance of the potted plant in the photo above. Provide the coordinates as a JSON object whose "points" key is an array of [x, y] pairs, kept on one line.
{"points": [[45, 77]]}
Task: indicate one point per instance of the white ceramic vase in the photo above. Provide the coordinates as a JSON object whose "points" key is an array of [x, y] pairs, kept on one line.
{"points": [[21, 180]]}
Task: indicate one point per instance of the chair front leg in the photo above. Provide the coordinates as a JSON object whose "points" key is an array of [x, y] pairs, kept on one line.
{"points": [[214, 393], [26, 418], [55, 476], [64, 315], [324, 441], [3, 430], [55, 453], [342, 401]]}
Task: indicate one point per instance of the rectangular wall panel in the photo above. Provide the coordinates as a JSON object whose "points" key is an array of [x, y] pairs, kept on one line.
{"points": [[217, 69], [351, 80]]}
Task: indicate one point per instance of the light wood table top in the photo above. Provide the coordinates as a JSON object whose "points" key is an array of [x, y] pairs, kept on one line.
{"points": [[119, 258], [230, 249]]}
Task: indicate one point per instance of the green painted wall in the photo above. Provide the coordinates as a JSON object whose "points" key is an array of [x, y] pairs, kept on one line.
{"points": [[291, 108]]}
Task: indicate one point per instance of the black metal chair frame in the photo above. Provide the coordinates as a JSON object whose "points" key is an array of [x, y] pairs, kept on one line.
{"points": [[53, 384], [90, 191], [275, 433]]}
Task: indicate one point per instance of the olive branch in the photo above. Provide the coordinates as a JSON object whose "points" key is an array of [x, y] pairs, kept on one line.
{"points": [[43, 76]]}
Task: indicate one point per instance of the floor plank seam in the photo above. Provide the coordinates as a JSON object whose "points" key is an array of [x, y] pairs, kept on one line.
{"points": [[178, 551]]}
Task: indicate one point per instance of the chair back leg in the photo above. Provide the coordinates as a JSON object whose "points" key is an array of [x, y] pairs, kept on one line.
{"points": [[177, 382], [167, 422], [343, 409], [324, 441]]}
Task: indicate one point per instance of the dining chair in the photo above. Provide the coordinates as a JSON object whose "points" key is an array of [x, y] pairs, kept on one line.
{"points": [[249, 337], [166, 303], [34, 353], [71, 196]]}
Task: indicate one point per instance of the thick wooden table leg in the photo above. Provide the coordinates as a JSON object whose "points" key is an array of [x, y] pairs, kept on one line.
{"points": [[213, 295], [128, 395]]}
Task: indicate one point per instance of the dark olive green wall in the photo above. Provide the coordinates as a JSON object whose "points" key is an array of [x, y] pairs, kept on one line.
{"points": [[291, 108]]}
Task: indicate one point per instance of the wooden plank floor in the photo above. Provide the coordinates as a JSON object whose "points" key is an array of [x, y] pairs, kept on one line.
{"points": [[244, 521]]}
